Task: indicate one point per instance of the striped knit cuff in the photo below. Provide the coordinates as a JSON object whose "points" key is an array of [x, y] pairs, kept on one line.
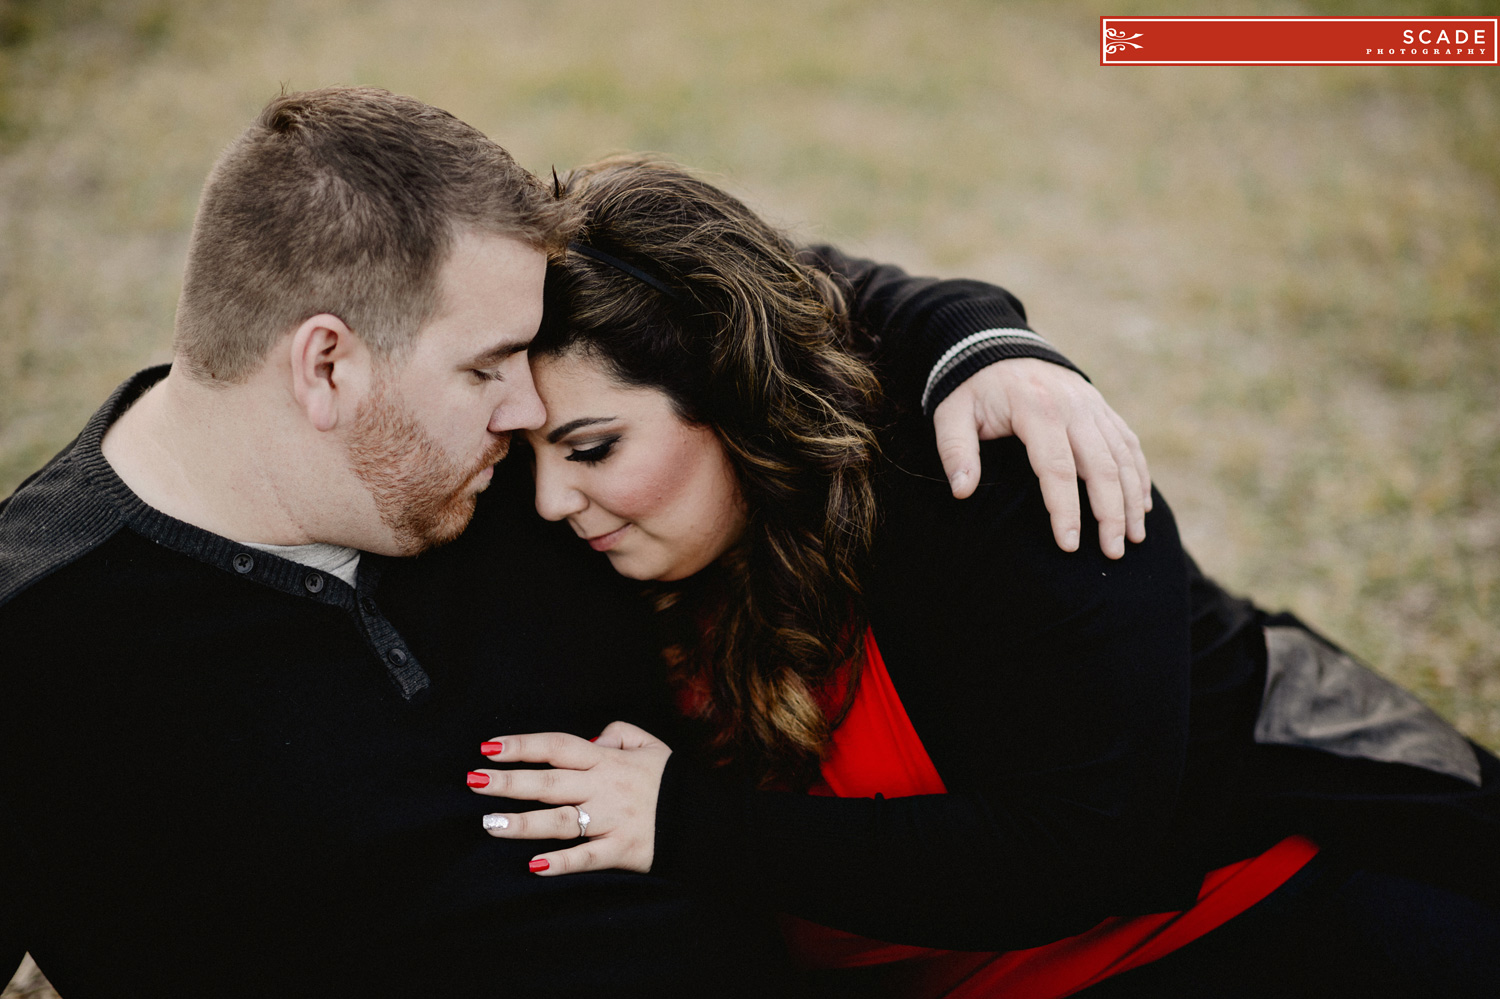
{"points": [[980, 350]]}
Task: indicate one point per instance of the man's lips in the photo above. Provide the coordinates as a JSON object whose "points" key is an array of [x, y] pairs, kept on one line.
{"points": [[605, 542], [493, 455], [480, 480]]}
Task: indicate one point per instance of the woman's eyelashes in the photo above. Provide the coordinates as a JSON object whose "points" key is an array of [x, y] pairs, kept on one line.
{"points": [[594, 455]]}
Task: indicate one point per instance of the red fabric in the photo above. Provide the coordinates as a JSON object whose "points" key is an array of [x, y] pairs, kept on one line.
{"points": [[876, 750]]}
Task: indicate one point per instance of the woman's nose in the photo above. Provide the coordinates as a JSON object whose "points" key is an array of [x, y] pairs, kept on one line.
{"points": [[556, 497]]}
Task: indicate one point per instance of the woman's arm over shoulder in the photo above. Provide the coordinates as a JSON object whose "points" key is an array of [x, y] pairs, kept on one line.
{"points": [[1050, 690]]}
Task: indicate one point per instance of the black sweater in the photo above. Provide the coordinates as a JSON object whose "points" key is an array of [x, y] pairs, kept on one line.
{"points": [[222, 774], [1093, 723]]}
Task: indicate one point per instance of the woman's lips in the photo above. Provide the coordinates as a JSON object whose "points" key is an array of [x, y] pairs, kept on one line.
{"points": [[605, 542]]}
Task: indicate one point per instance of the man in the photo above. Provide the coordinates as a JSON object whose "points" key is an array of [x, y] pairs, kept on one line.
{"points": [[236, 707]]}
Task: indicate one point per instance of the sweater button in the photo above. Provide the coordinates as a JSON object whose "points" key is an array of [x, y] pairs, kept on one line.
{"points": [[397, 657], [243, 563], [367, 605], [313, 582]]}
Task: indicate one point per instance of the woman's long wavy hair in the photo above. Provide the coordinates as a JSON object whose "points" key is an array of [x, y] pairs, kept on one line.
{"points": [[749, 341]]}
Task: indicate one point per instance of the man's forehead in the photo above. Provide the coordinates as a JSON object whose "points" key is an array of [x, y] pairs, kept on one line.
{"points": [[482, 252], [491, 279]]}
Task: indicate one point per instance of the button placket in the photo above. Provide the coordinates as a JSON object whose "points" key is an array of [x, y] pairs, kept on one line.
{"points": [[404, 670]]}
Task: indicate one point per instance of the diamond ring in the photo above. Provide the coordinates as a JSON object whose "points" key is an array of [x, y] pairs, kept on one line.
{"points": [[583, 821]]}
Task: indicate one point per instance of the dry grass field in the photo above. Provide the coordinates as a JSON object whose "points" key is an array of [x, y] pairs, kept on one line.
{"points": [[1286, 279]]}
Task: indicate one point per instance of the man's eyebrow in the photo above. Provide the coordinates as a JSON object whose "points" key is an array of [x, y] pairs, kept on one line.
{"points": [[572, 425], [497, 354]]}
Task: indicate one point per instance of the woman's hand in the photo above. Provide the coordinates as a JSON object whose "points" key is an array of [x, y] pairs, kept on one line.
{"points": [[1070, 433], [606, 792]]}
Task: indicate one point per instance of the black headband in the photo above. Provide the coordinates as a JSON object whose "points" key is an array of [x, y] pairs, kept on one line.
{"points": [[624, 268]]}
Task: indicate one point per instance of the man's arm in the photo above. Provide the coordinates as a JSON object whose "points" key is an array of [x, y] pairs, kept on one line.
{"points": [[936, 344], [12, 946], [927, 335]]}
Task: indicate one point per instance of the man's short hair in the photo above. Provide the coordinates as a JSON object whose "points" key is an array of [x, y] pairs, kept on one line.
{"points": [[346, 201]]}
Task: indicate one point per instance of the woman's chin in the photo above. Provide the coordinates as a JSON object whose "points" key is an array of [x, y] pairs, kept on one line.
{"points": [[632, 566]]}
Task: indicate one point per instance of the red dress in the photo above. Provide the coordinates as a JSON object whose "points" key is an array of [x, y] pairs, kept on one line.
{"points": [[876, 750]]}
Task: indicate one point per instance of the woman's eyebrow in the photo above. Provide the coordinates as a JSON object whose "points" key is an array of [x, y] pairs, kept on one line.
{"points": [[572, 425]]}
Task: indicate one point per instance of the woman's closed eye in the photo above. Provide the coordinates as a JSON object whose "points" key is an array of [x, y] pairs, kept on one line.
{"points": [[595, 454]]}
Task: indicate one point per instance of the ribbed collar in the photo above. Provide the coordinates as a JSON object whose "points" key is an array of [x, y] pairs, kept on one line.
{"points": [[180, 536]]}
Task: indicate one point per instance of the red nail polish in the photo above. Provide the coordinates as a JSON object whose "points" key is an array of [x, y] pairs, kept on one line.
{"points": [[490, 748], [538, 865], [477, 779], [594, 739]]}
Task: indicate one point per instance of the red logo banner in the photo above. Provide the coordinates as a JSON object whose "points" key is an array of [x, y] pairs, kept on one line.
{"points": [[1298, 41]]}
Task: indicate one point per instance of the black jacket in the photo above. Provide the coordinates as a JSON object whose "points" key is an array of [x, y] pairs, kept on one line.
{"points": [[1104, 733]]}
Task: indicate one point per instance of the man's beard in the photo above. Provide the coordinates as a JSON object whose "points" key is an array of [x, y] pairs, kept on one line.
{"points": [[421, 493]]}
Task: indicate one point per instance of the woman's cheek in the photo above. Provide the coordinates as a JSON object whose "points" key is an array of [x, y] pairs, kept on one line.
{"points": [[651, 489]]}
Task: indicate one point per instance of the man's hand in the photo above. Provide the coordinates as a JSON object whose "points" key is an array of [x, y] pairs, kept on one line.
{"points": [[1070, 433], [613, 780]]}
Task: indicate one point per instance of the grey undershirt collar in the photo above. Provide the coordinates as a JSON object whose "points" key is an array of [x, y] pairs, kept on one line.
{"points": [[336, 560]]}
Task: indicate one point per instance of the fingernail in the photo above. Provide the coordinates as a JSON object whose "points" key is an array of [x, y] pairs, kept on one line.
{"points": [[477, 779], [538, 865], [1071, 540], [496, 822], [594, 739], [491, 748]]}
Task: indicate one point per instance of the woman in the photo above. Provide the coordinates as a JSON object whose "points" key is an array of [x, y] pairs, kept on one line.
{"points": [[928, 724]]}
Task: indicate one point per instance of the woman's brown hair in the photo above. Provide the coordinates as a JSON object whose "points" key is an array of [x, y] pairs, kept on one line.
{"points": [[676, 285]]}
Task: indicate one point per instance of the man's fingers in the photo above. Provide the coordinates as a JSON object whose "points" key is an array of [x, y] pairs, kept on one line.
{"points": [[557, 748], [1130, 485], [544, 823], [958, 443], [1138, 456], [1051, 457], [1101, 474]]}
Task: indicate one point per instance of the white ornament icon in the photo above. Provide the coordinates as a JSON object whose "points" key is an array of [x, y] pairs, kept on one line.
{"points": [[1117, 40]]}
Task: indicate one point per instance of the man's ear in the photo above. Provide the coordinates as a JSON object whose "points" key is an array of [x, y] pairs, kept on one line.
{"points": [[330, 369]]}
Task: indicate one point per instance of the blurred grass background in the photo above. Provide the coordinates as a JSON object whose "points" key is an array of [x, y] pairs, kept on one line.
{"points": [[1286, 279]]}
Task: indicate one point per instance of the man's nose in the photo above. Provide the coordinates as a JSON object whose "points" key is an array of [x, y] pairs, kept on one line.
{"points": [[522, 408], [556, 497]]}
